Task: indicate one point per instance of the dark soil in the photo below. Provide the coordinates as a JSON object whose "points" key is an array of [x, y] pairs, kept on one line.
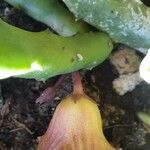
{"points": [[24, 120]]}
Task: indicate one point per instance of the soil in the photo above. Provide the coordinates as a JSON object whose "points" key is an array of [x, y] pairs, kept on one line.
{"points": [[24, 121]]}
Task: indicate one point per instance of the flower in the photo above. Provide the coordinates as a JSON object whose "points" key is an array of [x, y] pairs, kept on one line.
{"points": [[76, 125]]}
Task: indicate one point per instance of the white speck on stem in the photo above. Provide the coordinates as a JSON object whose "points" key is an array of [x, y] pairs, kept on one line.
{"points": [[80, 57]]}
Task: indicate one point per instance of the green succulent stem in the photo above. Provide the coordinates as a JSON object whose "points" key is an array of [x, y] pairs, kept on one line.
{"points": [[41, 55], [53, 14]]}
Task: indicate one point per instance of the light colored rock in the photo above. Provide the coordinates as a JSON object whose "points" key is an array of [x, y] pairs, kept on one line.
{"points": [[126, 83], [125, 61]]}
